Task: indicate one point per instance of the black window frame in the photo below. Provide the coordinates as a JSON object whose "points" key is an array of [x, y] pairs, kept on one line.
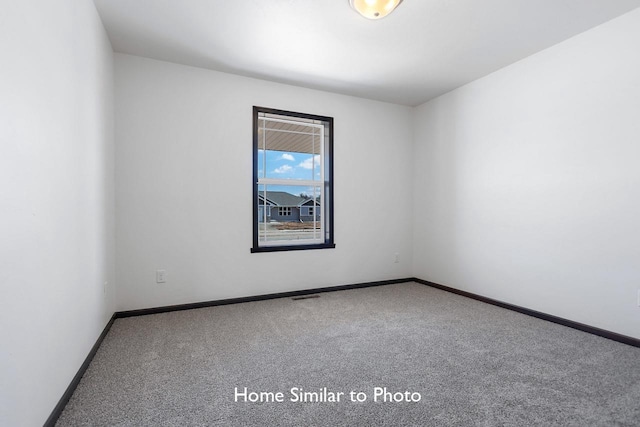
{"points": [[328, 217]]}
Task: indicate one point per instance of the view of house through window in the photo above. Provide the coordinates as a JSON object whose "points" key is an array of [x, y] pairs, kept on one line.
{"points": [[292, 180]]}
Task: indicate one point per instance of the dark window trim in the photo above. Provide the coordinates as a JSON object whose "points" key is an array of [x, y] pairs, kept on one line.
{"points": [[285, 248], [329, 242]]}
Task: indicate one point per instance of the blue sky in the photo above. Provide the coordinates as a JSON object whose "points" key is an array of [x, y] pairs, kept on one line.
{"points": [[294, 166]]}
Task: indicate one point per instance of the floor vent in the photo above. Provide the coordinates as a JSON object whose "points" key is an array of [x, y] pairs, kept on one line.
{"points": [[305, 297]]}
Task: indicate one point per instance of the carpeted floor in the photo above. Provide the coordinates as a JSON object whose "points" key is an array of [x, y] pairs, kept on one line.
{"points": [[473, 364]]}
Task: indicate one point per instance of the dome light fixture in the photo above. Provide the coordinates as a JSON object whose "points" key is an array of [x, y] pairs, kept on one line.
{"points": [[374, 9]]}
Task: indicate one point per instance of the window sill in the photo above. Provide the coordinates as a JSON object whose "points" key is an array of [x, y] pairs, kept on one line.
{"points": [[292, 248]]}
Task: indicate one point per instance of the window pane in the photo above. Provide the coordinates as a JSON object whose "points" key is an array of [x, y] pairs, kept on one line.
{"points": [[289, 151], [261, 163], [289, 214]]}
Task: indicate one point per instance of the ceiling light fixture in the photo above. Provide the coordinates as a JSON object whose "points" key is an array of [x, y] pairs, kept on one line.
{"points": [[374, 9]]}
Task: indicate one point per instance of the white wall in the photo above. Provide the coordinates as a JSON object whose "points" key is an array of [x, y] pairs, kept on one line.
{"points": [[184, 190], [56, 199], [527, 181]]}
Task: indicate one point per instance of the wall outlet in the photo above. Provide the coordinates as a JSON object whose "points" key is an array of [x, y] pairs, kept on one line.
{"points": [[638, 297], [397, 258], [161, 276], [104, 287]]}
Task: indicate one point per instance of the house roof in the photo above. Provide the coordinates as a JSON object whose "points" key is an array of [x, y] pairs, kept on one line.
{"points": [[310, 201], [303, 137], [282, 198]]}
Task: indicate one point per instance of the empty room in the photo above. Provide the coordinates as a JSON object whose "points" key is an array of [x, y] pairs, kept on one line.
{"points": [[320, 213]]}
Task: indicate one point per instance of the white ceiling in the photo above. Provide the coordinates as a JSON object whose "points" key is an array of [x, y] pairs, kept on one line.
{"points": [[423, 49]]}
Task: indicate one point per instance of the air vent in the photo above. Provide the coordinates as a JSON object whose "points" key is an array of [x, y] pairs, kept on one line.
{"points": [[305, 297]]}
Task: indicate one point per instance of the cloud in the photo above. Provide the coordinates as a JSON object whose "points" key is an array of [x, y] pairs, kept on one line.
{"points": [[308, 163], [287, 156], [283, 169]]}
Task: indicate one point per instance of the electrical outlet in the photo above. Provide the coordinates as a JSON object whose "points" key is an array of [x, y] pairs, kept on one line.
{"points": [[104, 287], [638, 297], [161, 276], [397, 258]]}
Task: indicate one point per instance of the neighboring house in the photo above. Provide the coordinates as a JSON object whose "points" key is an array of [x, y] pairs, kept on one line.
{"points": [[285, 207]]}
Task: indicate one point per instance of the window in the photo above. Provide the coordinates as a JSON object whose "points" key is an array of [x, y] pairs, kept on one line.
{"points": [[284, 211], [292, 169]]}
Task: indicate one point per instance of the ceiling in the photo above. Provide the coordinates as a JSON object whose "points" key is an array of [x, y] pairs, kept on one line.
{"points": [[423, 49]]}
